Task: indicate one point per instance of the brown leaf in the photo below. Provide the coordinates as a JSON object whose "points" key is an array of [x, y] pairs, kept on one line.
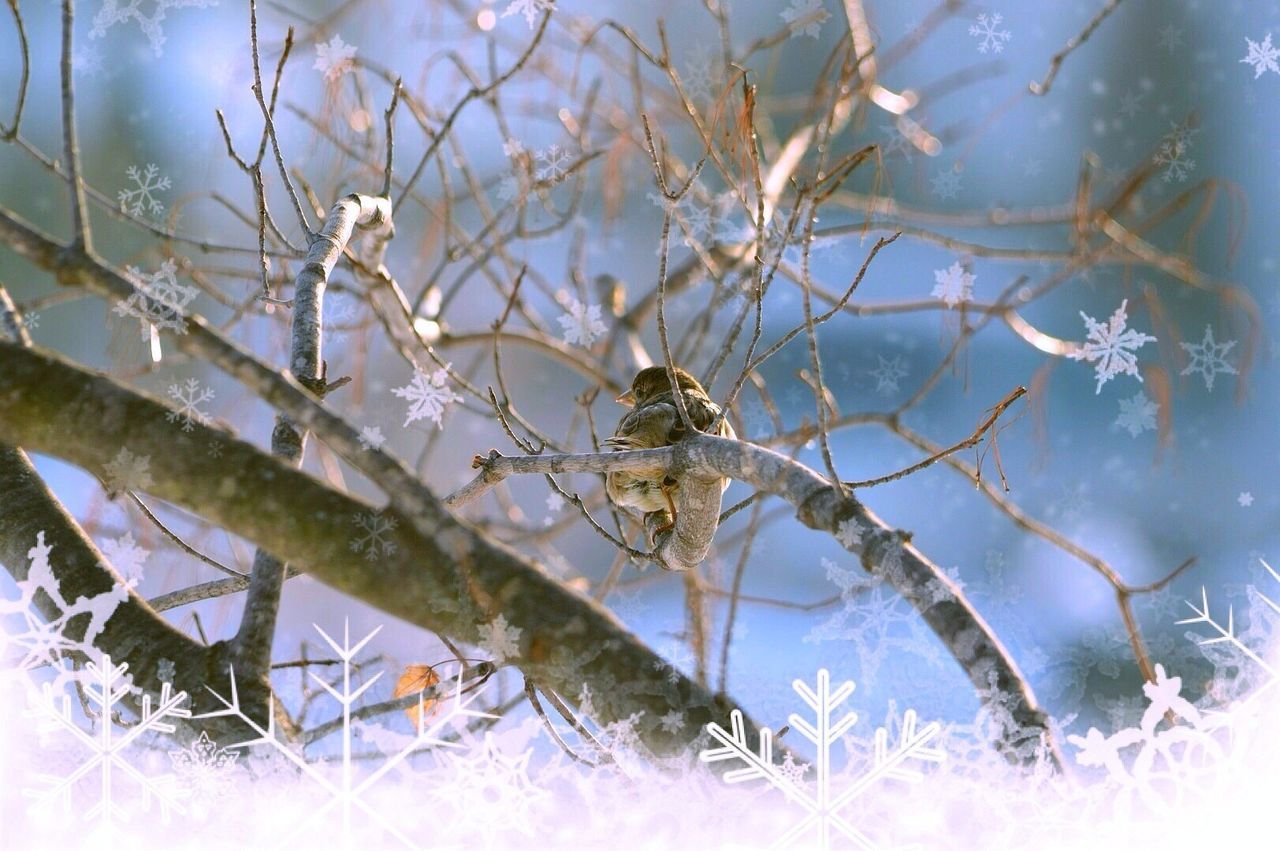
{"points": [[417, 678]]}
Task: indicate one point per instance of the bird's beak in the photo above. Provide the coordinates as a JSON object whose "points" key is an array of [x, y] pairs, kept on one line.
{"points": [[628, 399]]}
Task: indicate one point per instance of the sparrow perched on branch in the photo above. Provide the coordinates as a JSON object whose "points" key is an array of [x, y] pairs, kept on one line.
{"points": [[653, 422]]}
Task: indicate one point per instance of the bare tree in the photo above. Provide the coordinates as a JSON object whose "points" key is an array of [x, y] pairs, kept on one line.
{"points": [[458, 564]]}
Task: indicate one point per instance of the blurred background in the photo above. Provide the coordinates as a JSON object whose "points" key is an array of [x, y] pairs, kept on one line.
{"points": [[1200, 486]]}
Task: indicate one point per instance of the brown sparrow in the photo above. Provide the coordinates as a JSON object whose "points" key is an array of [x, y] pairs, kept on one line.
{"points": [[653, 422]]}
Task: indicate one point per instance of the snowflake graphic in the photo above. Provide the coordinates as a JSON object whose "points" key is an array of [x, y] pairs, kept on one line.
{"points": [[888, 373], [1170, 38], [581, 323], [45, 643], [1172, 153], [105, 686], [555, 160], [1227, 635], [127, 472], [805, 17], [158, 300], [189, 395], [204, 772], [849, 533], [988, 29], [126, 556], [373, 538], [348, 782], [500, 639], [699, 76], [428, 396], [1169, 763], [1112, 346], [115, 12], [491, 793], [1209, 358], [820, 803], [954, 284], [1262, 56], [1137, 414], [371, 438], [333, 58], [529, 8], [142, 197], [946, 183], [86, 59]]}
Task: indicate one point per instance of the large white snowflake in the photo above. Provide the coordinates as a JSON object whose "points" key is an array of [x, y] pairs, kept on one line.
{"points": [[1226, 634], [1111, 346], [821, 805], [105, 686], [158, 300], [114, 12], [349, 783], [189, 395], [334, 58], [142, 197], [529, 8], [1156, 764], [39, 643], [581, 323], [1209, 358], [428, 396], [491, 793], [1262, 56], [988, 29], [1137, 414], [805, 17], [954, 284]]}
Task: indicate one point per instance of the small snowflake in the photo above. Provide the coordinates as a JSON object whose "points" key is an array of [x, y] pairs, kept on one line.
{"points": [[555, 502], [1209, 358], [849, 533], [555, 160], [672, 722], [126, 556], [805, 17], [1172, 153], [946, 183], [500, 639], [988, 28], [1137, 414], [371, 438], [86, 60], [1170, 38], [1245, 499], [513, 148], [204, 771], [116, 12], [954, 284], [157, 300], [888, 373], [581, 323], [128, 472], [428, 396], [374, 535], [1112, 346], [142, 197], [529, 8], [1031, 167], [1262, 56], [189, 397], [166, 670], [1131, 104], [334, 58]]}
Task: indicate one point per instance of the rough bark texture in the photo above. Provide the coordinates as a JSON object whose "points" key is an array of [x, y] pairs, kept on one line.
{"points": [[451, 580]]}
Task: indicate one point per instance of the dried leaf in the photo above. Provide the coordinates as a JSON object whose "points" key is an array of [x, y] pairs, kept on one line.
{"points": [[418, 678]]}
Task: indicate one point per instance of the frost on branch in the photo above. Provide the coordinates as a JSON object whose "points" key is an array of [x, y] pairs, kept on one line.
{"points": [[820, 805], [1111, 346]]}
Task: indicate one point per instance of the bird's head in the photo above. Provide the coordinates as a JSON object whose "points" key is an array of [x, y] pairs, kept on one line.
{"points": [[652, 381]]}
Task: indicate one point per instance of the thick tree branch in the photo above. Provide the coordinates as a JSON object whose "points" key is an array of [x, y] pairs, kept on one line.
{"points": [[432, 578]]}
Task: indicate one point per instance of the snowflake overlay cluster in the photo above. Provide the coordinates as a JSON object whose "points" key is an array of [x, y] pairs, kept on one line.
{"points": [[115, 12]]}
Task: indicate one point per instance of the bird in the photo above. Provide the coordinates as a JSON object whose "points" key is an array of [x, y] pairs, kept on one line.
{"points": [[653, 422]]}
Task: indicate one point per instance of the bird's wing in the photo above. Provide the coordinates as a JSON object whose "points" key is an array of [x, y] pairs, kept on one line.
{"points": [[647, 427]]}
